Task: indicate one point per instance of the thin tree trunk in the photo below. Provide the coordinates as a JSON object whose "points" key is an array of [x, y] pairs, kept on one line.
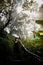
{"points": [[7, 22]]}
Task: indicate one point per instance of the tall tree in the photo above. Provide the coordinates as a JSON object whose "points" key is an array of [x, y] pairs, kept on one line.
{"points": [[5, 10]]}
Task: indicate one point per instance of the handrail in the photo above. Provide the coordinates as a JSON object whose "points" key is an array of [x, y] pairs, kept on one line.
{"points": [[29, 52]]}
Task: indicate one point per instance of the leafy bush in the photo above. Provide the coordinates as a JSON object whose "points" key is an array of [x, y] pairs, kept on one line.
{"points": [[39, 22], [33, 45], [6, 47]]}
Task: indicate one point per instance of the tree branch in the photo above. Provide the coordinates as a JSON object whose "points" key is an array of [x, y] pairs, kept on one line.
{"points": [[7, 22]]}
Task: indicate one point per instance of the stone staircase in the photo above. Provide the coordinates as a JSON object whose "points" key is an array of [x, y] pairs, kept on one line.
{"points": [[29, 57]]}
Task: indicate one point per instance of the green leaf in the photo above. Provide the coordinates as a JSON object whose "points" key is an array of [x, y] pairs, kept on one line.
{"points": [[36, 33], [39, 22], [41, 33]]}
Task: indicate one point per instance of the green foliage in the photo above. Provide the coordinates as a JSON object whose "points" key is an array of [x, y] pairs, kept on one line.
{"points": [[6, 36], [37, 43], [39, 22], [36, 33], [33, 45], [6, 46]]}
